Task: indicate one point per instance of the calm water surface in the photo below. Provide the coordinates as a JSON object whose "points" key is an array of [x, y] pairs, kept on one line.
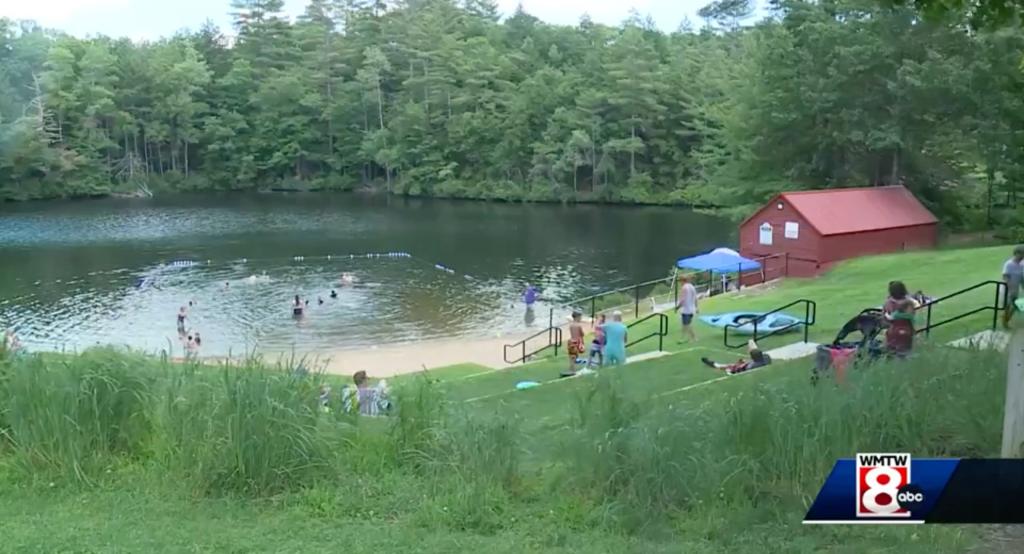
{"points": [[78, 273]]}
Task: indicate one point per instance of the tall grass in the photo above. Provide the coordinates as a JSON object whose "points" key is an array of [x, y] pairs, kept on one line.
{"points": [[72, 416], [773, 445], [472, 466], [253, 430], [243, 428]]}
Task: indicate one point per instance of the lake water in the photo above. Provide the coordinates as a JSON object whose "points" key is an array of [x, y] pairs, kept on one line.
{"points": [[78, 273]]}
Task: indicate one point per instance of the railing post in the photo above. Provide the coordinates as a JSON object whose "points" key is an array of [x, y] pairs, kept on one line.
{"points": [[636, 301], [593, 310], [524, 350], [995, 306], [551, 321], [928, 321], [807, 319]]}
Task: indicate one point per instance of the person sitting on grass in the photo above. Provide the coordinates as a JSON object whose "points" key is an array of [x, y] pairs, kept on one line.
{"points": [[364, 399], [11, 343], [757, 359]]}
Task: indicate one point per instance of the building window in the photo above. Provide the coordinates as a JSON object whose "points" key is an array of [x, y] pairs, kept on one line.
{"points": [[765, 235]]}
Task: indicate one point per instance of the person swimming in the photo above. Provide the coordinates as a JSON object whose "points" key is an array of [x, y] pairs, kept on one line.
{"points": [[319, 300], [297, 307], [348, 279], [182, 314], [334, 293]]}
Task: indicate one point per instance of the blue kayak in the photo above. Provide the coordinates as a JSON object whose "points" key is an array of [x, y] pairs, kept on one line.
{"points": [[743, 322]]}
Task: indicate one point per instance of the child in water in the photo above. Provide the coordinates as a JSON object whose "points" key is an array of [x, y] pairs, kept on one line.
{"points": [[334, 293], [182, 313], [297, 307]]}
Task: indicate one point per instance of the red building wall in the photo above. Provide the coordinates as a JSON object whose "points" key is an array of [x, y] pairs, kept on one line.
{"points": [[852, 245], [801, 258], [810, 253]]}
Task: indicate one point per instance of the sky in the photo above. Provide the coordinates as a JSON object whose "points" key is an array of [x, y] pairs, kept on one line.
{"points": [[151, 19]]}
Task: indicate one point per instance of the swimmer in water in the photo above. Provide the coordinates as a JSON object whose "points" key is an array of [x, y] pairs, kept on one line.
{"points": [[297, 307], [198, 340], [182, 314], [319, 300], [347, 279], [334, 293]]}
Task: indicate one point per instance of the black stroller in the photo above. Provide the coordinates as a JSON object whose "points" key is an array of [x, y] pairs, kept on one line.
{"points": [[841, 353]]}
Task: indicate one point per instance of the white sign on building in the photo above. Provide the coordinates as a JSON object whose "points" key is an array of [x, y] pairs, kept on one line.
{"points": [[792, 230]]}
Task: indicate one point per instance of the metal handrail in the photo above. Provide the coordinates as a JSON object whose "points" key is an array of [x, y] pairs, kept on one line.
{"points": [[661, 333], [554, 339], [810, 316], [592, 299], [1000, 294]]}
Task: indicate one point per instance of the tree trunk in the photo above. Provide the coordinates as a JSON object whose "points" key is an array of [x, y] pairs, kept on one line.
{"points": [[380, 105], [990, 174], [893, 179], [632, 155], [330, 119]]}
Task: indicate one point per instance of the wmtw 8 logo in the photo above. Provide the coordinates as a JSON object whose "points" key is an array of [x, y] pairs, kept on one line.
{"points": [[881, 479]]}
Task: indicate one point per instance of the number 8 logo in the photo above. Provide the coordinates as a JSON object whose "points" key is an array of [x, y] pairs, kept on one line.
{"points": [[887, 490]]}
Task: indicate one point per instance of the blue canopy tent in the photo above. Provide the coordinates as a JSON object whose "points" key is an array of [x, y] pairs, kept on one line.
{"points": [[721, 261]]}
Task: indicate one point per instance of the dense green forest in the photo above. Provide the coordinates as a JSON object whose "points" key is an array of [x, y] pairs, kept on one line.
{"points": [[445, 98]]}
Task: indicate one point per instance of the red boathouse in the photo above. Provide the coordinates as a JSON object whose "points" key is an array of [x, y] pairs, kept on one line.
{"points": [[811, 230]]}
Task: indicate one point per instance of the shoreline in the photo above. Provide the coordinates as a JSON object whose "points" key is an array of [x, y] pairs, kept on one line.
{"points": [[391, 360]]}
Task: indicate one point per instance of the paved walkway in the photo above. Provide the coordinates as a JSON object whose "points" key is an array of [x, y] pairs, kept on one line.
{"points": [[987, 339]]}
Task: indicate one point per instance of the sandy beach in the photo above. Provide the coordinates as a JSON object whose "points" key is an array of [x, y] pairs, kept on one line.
{"points": [[398, 359]]}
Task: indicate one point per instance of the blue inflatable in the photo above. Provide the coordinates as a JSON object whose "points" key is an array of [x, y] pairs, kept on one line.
{"points": [[743, 322]]}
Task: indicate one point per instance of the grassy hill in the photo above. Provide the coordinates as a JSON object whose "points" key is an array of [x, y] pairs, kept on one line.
{"points": [[119, 452]]}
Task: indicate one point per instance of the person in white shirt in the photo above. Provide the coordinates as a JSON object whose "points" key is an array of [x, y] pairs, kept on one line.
{"points": [[1013, 273], [687, 306]]}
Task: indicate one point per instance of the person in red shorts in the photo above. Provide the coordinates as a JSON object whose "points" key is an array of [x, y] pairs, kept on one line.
{"points": [[575, 346]]}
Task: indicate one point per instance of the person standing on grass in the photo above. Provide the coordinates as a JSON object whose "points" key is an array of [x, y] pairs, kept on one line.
{"points": [[575, 345], [687, 306], [1013, 273], [615, 337]]}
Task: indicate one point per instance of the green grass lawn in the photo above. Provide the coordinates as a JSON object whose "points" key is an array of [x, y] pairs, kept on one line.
{"points": [[840, 295], [663, 455]]}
